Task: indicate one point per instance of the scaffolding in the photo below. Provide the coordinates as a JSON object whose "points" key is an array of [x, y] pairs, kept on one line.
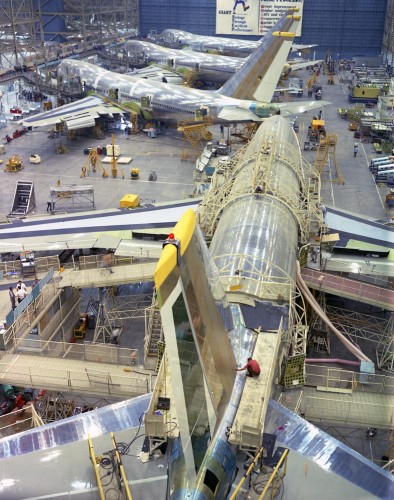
{"points": [[153, 329], [26, 25], [373, 329], [246, 133], [72, 196], [113, 311], [194, 135], [319, 333], [326, 152]]}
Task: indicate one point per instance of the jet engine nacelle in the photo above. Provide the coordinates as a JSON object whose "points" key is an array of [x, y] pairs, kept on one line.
{"points": [[264, 110]]}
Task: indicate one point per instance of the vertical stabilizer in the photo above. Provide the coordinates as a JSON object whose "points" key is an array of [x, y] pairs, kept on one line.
{"points": [[259, 76], [200, 357]]}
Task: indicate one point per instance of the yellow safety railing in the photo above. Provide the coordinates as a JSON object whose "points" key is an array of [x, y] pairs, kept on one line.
{"points": [[250, 468], [273, 475], [96, 470], [121, 468]]}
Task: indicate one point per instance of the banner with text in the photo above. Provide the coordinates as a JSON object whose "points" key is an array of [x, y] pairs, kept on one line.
{"points": [[251, 17]]}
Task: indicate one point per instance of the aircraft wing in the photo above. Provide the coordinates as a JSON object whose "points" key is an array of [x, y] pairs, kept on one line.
{"points": [[304, 64], [89, 229], [291, 108], [75, 115]]}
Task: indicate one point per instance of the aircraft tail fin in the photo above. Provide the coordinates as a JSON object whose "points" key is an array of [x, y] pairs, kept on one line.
{"points": [[259, 75]]}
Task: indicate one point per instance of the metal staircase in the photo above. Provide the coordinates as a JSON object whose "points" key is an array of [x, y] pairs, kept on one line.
{"points": [[24, 199], [326, 151], [154, 330], [194, 135], [321, 155]]}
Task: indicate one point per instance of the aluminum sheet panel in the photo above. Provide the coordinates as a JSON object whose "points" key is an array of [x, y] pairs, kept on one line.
{"points": [[113, 418], [330, 454]]}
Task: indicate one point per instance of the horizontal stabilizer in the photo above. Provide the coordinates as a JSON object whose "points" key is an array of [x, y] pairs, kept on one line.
{"points": [[234, 114], [292, 108], [304, 64], [297, 46]]}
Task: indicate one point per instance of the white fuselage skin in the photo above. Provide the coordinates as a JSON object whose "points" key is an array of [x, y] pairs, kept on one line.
{"points": [[166, 102]]}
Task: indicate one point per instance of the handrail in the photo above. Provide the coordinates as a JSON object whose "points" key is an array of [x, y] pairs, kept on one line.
{"points": [[249, 470], [273, 475], [121, 468], [73, 379], [96, 470]]}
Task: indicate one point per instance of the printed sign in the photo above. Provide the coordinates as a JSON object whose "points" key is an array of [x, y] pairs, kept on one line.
{"points": [[251, 17]]}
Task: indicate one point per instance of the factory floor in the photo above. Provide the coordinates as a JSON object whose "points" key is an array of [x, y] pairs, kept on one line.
{"points": [[175, 181]]}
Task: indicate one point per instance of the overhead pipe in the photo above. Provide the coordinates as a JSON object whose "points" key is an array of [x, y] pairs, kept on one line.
{"points": [[333, 360]]}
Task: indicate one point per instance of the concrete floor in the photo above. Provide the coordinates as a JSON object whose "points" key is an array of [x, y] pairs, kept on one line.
{"points": [[162, 154], [175, 177]]}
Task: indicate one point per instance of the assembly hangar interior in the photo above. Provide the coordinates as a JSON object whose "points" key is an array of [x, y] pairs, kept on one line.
{"points": [[197, 249]]}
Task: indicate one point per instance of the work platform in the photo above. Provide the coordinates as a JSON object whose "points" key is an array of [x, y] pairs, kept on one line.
{"points": [[356, 409], [108, 276], [248, 424], [75, 376], [349, 288]]}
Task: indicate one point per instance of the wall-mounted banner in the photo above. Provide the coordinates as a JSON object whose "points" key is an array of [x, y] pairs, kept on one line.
{"points": [[251, 17]]}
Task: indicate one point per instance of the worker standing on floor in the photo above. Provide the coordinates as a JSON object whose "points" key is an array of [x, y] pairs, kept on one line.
{"points": [[20, 293], [355, 150], [20, 284]]}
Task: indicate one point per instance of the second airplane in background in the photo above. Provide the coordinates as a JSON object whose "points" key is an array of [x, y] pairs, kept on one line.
{"points": [[208, 67], [245, 97], [202, 43]]}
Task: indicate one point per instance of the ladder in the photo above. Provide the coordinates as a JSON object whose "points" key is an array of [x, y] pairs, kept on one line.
{"points": [[24, 199], [327, 151], [155, 333], [321, 154]]}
